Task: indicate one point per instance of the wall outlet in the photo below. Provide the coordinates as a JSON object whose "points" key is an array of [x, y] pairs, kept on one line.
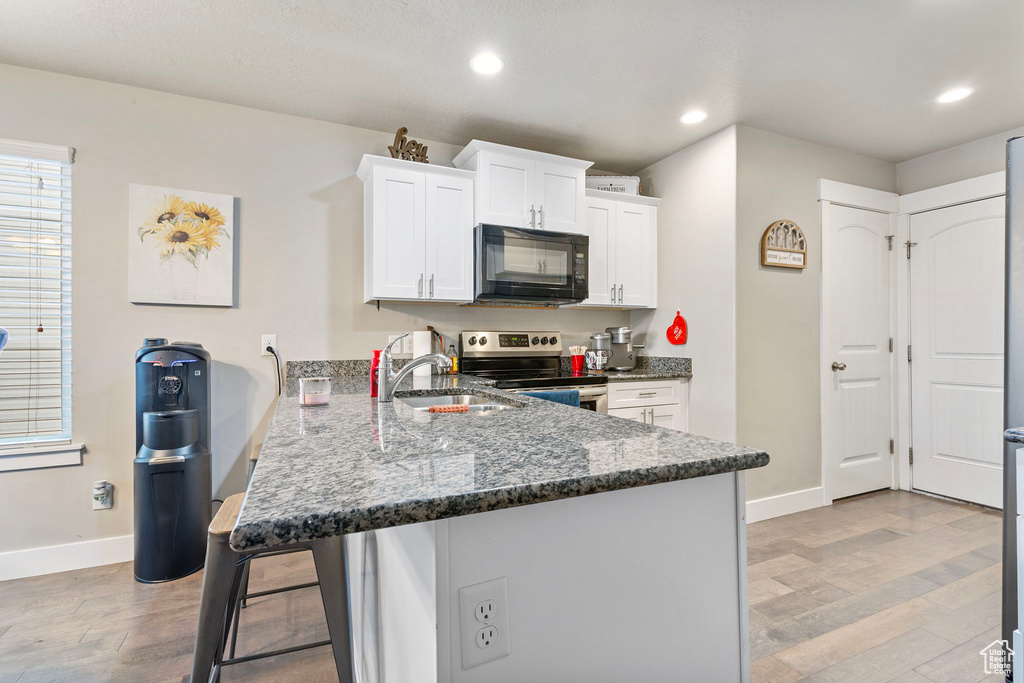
{"points": [[268, 340], [402, 349], [102, 495], [483, 620]]}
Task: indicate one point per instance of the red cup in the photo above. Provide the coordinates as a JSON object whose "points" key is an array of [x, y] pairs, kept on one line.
{"points": [[577, 364]]}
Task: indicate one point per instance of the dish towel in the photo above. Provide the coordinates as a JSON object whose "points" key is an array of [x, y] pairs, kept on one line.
{"points": [[570, 397]]}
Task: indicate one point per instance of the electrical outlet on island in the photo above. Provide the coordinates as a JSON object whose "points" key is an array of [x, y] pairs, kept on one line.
{"points": [[483, 622]]}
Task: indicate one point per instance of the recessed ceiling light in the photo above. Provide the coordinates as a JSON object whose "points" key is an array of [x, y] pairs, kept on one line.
{"points": [[486, 63], [953, 95], [693, 117]]}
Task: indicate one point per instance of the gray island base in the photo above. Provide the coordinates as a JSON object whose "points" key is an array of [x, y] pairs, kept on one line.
{"points": [[621, 546]]}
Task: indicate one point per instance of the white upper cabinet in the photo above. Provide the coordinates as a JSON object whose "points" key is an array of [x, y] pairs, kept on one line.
{"points": [[623, 231], [520, 188], [417, 231]]}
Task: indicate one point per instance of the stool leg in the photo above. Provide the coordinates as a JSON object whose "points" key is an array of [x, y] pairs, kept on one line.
{"points": [[331, 570], [214, 602], [239, 602]]}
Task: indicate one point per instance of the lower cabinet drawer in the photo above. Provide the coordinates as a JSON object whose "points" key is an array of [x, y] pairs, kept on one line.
{"points": [[636, 394]]}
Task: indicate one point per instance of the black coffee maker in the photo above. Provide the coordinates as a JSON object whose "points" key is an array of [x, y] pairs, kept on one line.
{"points": [[173, 488]]}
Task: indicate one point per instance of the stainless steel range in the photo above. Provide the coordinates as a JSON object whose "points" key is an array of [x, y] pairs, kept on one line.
{"points": [[523, 360]]}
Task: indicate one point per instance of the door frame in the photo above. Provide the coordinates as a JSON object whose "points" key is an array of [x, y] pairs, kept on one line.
{"points": [[941, 197], [831, 192]]}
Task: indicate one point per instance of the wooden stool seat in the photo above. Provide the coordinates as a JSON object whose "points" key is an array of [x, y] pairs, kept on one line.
{"points": [[224, 521]]}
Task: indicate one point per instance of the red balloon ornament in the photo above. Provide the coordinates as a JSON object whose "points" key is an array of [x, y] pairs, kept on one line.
{"points": [[676, 332]]}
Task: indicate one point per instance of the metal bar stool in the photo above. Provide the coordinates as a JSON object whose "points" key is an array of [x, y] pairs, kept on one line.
{"points": [[222, 580]]}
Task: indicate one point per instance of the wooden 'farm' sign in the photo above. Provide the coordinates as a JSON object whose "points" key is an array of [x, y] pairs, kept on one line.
{"points": [[784, 245]]}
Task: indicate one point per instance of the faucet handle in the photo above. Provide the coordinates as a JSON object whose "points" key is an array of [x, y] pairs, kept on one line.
{"points": [[387, 349]]}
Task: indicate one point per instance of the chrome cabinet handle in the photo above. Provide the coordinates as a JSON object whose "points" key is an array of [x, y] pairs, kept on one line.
{"points": [[643, 415], [620, 294], [420, 286], [613, 293], [431, 285], [541, 217], [533, 217], [837, 366], [647, 394]]}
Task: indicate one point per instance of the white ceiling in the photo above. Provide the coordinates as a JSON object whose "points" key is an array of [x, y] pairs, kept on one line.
{"points": [[599, 80]]}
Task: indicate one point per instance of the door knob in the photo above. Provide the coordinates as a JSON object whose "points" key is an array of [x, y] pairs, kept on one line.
{"points": [[836, 366]]}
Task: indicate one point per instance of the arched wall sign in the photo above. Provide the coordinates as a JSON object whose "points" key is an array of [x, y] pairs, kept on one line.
{"points": [[784, 245]]}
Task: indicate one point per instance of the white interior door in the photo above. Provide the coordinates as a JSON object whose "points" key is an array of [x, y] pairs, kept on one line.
{"points": [[956, 335], [857, 365]]}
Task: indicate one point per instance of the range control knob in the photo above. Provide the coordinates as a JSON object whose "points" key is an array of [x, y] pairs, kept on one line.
{"points": [[472, 340], [535, 341], [543, 340], [483, 341], [553, 340]]}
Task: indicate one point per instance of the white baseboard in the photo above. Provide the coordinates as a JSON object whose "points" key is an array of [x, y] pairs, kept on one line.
{"points": [[784, 504], [18, 564]]}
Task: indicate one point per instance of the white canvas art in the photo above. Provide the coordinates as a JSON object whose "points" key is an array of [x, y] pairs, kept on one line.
{"points": [[181, 247]]}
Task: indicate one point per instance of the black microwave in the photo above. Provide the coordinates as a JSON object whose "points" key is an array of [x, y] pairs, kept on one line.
{"points": [[530, 266]]}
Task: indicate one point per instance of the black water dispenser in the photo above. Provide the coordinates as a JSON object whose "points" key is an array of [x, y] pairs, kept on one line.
{"points": [[173, 487]]}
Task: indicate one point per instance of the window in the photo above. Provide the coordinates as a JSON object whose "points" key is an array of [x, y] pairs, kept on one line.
{"points": [[35, 297]]}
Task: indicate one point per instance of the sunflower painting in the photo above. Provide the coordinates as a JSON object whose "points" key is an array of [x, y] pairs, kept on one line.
{"points": [[181, 249]]}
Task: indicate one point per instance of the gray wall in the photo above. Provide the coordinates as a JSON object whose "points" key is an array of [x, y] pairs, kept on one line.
{"points": [[299, 271], [969, 160], [778, 309], [696, 274]]}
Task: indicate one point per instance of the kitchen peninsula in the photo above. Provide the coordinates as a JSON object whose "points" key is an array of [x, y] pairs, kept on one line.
{"points": [[644, 581]]}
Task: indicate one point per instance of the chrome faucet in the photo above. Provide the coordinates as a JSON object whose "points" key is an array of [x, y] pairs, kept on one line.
{"points": [[388, 382]]}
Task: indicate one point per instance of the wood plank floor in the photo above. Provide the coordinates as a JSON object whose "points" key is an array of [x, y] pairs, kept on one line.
{"points": [[890, 586]]}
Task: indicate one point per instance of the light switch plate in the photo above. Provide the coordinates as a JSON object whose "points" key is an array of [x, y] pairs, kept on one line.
{"points": [[483, 622]]}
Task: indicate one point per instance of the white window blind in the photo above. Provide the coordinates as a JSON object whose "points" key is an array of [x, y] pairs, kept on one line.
{"points": [[35, 293]]}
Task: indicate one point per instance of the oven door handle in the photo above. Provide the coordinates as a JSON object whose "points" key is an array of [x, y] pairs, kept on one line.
{"points": [[584, 391]]}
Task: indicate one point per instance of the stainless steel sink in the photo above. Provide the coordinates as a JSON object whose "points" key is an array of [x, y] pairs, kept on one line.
{"points": [[476, 403]]}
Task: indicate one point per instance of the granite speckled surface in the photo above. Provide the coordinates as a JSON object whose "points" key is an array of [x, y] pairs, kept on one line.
{"points": [[1015, 435], [647, 367], [356, 464]]}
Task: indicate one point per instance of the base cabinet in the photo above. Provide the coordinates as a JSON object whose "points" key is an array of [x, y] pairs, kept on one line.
{"points": [[660, 403]]}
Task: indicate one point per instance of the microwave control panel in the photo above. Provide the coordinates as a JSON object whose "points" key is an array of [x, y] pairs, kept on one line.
{"points": [[580, 269]]}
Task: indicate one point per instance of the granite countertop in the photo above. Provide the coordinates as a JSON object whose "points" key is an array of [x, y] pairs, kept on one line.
{"points": [[1015, 435], [648, 368], [357, 465], [639, 375]]}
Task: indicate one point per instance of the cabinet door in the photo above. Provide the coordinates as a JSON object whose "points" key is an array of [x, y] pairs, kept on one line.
{"points": [[561, 200], [635, 268], [670, 416], [505, 190], [634, 414], [600, 228], [397, 239], [449, 238]]}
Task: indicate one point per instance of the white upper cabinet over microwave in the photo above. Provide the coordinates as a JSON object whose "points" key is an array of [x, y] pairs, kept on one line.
{"points": [[623, 231], [418, 231], [520, 188]]}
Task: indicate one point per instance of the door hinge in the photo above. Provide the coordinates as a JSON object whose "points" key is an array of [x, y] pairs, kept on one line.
{"points": [[890, 344], [892, 446], [911, 449], [910, 354], [889, 237], [909, 245]]}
